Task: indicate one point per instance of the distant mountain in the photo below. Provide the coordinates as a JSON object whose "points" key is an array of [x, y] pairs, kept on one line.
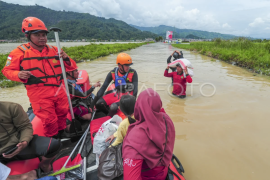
{"points": [[74, 25], [182, 33], [191, 36]]}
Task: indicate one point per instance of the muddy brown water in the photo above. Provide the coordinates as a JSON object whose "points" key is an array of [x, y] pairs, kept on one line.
{"points": [[222, 127]]}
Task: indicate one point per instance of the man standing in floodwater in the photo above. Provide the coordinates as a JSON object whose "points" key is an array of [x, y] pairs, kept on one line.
{"points": [[176, 55], [179, 81], [36, 64]]}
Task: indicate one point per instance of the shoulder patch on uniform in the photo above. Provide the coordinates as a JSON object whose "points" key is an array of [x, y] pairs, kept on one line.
{"points": [[9, 58], [8, 62]]}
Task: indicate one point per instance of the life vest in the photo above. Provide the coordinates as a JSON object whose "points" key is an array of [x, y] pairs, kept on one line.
{"points": [[78, 102], [119, 81], [35, 64], [76, 86], [73, 86], [124, 81]]}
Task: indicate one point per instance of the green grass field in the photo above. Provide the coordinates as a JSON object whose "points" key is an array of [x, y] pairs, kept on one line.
{"points": [[77, 53], [94, 51], [244, 53]]}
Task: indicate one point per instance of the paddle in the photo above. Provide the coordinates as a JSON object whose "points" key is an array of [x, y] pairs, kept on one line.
{"points": [[56, 30], [64, 169]]}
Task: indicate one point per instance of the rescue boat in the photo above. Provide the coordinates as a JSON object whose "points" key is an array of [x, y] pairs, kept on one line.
{"points": [[84, 160]]}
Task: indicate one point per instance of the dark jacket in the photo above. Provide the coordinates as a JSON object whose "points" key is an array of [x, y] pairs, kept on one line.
{"points": [[15, 126], [169, 61], [75, 92]]}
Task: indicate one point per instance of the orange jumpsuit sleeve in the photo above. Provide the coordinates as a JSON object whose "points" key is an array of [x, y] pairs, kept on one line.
{"points": [[12, 67]]}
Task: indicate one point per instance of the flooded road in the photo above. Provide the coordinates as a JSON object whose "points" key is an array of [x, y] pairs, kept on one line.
{"points": [[222, 127]]}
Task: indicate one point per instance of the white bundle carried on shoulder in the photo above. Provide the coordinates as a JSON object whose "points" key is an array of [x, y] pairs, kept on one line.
{"points": [[183, 63]]}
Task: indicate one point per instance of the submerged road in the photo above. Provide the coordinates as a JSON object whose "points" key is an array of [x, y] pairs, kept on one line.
{"points": [[222, 127]]}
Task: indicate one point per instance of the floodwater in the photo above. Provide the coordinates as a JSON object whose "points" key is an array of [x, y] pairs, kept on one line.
{"points": [[222, 127]]}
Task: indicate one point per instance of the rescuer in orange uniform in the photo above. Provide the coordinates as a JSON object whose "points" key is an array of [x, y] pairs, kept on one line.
{"points": [[37, 65], [125, 80]]}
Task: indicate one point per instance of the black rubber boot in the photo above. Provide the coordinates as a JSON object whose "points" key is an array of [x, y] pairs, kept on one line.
{"points": [[102, 106], [113, 109]]}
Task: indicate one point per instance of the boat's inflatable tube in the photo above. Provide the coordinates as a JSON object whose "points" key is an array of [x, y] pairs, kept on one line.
{"points": [[111, 89], [83, 80], [176, 169], [24, 166], [59, 163], [96, 124]]}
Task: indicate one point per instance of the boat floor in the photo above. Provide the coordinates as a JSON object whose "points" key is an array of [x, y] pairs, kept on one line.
{"points": [[87, 151]]}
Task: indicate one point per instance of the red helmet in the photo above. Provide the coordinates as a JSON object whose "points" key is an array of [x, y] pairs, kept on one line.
{"points": [[33, 24], [71, 68]]}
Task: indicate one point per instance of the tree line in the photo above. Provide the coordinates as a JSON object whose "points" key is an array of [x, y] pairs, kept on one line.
{"points": [[74, 25]]}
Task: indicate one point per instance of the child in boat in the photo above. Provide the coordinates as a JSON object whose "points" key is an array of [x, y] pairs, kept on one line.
{"points": [[80, 100], [127, 103], [179, 81]]}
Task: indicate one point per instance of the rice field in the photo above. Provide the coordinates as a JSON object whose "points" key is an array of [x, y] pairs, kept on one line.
{"points": [[77, 53], [242, 52]]}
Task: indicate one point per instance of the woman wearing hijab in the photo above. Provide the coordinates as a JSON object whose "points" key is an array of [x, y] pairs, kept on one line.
{"points": [[148, 145]]}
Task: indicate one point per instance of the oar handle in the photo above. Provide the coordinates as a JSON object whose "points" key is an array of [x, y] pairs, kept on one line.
{"points": [[56, 30], [82, 138], [93, 115]]}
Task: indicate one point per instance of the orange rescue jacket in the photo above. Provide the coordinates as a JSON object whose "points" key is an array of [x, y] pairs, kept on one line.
{"points": [[45, 69]]}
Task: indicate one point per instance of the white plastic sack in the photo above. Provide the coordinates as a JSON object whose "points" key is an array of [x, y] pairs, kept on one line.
{"points": [[187, 63], [183, 63], [107, 129], [190, 72]]}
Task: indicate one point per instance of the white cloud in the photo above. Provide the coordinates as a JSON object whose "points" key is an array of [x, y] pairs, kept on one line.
{"points": [[256, 22], [230, 16], [226, 25]]}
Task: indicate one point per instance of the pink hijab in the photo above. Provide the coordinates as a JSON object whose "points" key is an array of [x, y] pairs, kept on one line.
{"points": [[145, 139]]}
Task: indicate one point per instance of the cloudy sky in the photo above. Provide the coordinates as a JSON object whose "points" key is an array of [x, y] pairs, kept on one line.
{"points": [[237, 17]]}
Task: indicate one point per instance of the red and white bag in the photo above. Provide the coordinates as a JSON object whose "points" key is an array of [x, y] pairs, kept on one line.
{"points": [[183, 63]]}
